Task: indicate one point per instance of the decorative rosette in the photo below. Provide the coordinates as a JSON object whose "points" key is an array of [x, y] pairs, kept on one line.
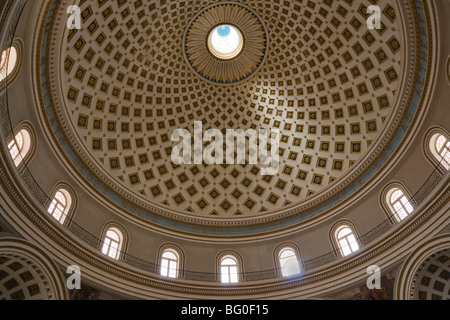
{"points": [[214, 31]]}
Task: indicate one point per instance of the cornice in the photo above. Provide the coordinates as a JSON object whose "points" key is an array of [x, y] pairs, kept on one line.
{"points": [[27, 215], [394, 243]]}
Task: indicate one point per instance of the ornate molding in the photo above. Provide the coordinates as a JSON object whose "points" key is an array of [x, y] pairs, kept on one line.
{"points": [[404, 281], [356, 182]]}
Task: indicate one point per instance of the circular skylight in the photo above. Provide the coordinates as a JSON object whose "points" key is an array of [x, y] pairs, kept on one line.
{"points": [[225, 42]]}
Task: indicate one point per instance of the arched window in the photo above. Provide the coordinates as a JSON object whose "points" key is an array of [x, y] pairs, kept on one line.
{"points": [[229, 270], [112, 243], [346, 240], [15, 147], [442, 150], [437, 148], [8, 62], [20, 146], [289, 263], [60, 206], [400, 206], [170, 263]]}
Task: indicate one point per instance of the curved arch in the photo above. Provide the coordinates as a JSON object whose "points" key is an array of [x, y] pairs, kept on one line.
{"points": [[11, 61], [34, 258], [434, 156], [345, 238], [166, 267], [281, 266], [227, 271], [399, 208], [63, 212], [405, 279], [114, 241]]}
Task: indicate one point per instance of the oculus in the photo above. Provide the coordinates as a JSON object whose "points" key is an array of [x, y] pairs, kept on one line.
{"points": [[225, 42]]}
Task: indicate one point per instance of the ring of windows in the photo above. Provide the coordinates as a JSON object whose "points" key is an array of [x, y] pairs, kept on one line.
{"points": [[344, 236]]}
